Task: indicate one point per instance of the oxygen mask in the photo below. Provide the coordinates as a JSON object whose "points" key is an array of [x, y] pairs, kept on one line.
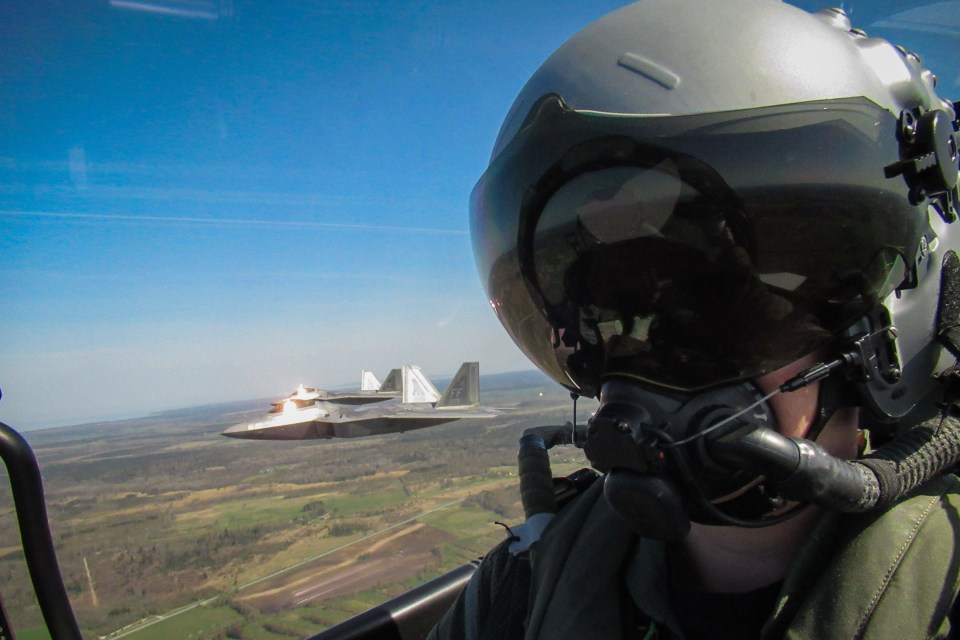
{"points": [[716, 457], [654, 448]]}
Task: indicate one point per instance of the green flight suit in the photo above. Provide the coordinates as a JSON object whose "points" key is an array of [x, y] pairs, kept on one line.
{"points": [[891, 575]]}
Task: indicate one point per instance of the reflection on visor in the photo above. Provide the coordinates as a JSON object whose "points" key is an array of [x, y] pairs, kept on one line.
{"points": [[690, 251], [625, 203]]}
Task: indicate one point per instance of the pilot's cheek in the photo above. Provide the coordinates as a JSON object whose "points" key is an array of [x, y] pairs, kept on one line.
{"points": [[794, 410]]}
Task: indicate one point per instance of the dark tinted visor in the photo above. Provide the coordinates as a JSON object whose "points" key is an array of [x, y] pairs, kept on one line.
{"points": [[691, 251]]}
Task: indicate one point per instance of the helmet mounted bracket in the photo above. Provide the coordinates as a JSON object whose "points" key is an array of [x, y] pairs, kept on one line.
{"points": [[929, 159]]}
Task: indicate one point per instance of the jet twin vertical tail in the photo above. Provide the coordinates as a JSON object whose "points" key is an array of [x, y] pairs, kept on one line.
{"points": [[464, 389], [416, 387], [393, 381], [368, 381]]}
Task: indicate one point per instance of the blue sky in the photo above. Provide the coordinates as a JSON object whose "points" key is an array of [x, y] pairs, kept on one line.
{"points": [[214, 200], [204, 201]]}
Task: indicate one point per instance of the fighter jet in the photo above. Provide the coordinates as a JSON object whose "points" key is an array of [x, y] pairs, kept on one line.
{"points": [[419, 405]]}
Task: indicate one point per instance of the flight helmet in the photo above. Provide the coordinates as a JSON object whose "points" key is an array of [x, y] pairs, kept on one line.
{"points": [[692, 194], [688, 195]]}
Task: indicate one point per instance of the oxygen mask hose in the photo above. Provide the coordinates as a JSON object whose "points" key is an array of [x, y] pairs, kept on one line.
{"points": [[536, 479], [914, 458], [881, 477], [731, 431], [803, 471], [536, 482]]}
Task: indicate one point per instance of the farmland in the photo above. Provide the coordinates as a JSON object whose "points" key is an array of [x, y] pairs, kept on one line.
{"points": [[164, 528]]}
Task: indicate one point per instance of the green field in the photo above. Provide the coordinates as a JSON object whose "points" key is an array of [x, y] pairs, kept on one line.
{"points": [[154, 515], [200, 622], [33, 633]]}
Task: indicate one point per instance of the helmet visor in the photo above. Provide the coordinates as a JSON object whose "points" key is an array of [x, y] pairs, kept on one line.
{"points": [[690, 251]]}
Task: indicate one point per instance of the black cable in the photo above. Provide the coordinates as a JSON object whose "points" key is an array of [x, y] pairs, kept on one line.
{"points": [[27, 488]]}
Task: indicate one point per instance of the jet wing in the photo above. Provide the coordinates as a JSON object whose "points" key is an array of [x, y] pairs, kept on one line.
{"points": [[358, 397], [444, 414]]}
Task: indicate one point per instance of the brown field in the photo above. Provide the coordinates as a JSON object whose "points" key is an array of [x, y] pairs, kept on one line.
{"points": [[390, 558]]}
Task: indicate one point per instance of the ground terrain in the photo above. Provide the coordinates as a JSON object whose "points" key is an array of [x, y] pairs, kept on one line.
{"points": [[165, 529]]}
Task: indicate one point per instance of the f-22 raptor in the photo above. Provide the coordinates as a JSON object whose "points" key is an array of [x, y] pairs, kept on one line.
{"points": [[406, 400]]}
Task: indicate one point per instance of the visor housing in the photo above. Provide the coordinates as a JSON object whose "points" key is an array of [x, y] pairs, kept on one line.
{"points": [[690, 252]]}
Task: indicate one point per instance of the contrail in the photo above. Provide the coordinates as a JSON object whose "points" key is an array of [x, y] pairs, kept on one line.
{"points": [[204, 10], [232, 221]]}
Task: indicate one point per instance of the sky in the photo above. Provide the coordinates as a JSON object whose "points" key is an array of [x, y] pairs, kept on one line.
{"points": [[204, 201]]}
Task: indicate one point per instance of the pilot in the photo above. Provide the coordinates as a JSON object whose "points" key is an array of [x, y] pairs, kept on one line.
{"points": [[734, 223]]}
